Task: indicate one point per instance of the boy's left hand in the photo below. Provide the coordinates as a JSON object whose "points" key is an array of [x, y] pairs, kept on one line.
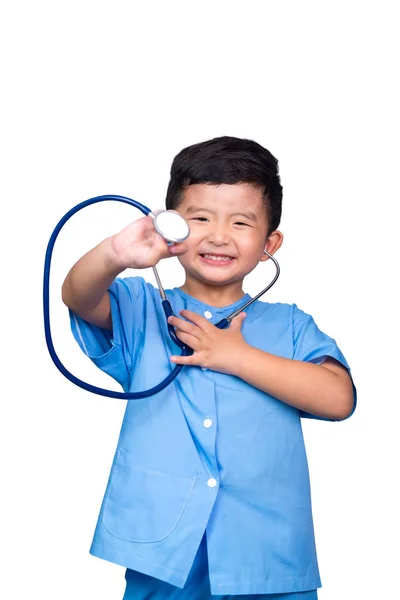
{"points": [[213, 348]]}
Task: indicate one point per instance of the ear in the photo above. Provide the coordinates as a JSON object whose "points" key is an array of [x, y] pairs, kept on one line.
{"points": [[273, 243]]}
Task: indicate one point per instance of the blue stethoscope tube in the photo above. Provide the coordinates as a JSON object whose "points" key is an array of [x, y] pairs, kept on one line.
{"points": [[186, 350]]}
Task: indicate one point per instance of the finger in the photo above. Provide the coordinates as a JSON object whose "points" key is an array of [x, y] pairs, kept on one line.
{"points": [[198, 320], [185, 326], [161, 247], [178, 248], [189, 340], [237, 321], [182, 360]]}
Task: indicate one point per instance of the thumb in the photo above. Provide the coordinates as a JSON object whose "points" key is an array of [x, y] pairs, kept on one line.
{"points": [[178, 248], [237, 321]]}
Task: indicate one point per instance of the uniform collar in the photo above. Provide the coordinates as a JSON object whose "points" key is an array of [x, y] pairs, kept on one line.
{"points": [[216, 309]]}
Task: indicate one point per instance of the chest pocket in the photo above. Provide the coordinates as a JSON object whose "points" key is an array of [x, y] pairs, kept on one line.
{"points": [[142, 505]]}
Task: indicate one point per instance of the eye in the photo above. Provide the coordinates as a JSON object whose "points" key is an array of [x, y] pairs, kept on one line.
{"points": [[203, 219]]}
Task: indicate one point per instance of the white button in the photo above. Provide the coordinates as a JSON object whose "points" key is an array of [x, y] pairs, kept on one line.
{"points": [[212, 482], [204, 368], [208, 314], [207, 423]]}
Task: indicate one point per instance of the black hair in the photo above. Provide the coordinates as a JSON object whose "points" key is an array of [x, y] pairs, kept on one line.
{"points": [[228, 160]]}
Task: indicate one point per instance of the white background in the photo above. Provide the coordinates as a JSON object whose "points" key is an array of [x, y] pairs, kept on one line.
{"points": [[97, 98]]}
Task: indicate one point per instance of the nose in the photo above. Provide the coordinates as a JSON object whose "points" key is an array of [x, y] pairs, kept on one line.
{"points": [[218, 234]]}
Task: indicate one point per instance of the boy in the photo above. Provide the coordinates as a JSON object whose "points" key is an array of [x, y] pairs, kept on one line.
{"points": [[208, 495]]}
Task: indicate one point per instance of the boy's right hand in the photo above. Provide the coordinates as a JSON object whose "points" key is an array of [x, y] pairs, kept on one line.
{"points": [[139, 246]]}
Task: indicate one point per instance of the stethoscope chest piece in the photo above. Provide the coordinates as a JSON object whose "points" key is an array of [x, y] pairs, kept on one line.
{"points": [[171, 225]]}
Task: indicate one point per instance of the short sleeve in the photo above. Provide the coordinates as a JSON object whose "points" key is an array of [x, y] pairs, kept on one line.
{"points": [[114, 351], [310, 344]]}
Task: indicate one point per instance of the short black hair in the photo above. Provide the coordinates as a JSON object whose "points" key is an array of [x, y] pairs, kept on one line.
{"points": [[228, 160]]}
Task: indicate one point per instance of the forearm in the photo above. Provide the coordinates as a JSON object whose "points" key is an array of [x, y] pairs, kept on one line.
{"points": [[306, 386], [89, 279]]}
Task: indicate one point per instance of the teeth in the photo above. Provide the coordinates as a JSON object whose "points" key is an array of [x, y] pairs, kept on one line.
{"points": [[217, 258]]}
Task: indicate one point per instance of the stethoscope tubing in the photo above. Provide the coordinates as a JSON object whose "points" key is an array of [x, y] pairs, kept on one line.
{"points": [[186, 350], [46, 311]]}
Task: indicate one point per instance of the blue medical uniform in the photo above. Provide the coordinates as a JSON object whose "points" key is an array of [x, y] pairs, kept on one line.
{"points": [[208, 458], [197, 586]]}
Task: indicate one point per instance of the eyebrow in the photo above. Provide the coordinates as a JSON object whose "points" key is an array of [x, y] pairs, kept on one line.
{"points": [[248, 215]]}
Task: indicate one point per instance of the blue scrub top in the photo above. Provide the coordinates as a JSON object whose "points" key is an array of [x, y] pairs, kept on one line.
{"points": [[208, 454]]}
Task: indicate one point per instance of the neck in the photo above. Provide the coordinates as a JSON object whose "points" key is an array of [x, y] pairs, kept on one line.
{"points": [[214, 295]]}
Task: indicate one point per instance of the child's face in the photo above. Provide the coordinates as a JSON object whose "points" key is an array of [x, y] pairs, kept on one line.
{"points": [[225, 221]]}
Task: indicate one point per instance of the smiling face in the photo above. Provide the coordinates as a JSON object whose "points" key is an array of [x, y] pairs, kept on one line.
{"points": [[228, 234]]}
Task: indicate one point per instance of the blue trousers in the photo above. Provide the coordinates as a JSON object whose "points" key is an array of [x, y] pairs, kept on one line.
{"points": [[197, 587]]}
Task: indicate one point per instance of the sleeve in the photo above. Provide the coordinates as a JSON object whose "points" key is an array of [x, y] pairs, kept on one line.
{"points": [[114, 351], [310, 344]]}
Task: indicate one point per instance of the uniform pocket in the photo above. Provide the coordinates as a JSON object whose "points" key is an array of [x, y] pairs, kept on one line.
{"points": [[143, 505]]}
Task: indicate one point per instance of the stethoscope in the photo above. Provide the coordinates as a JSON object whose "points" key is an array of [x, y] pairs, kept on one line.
{"points": [[173, 228]]}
